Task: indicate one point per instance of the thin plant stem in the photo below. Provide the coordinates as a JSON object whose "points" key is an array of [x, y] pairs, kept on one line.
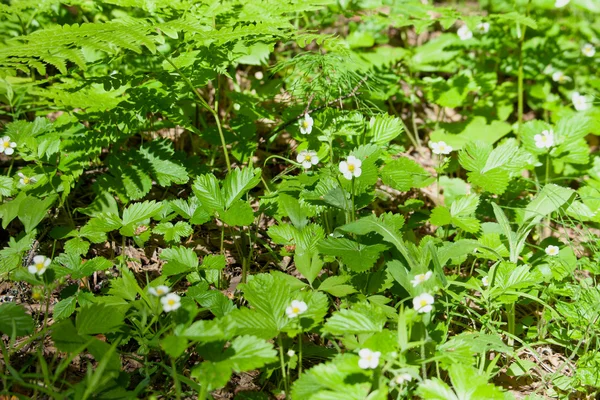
{"points": [[352, 194], [299, 354], [510, 312], [283, 371], [176, 379], [203, 103]]}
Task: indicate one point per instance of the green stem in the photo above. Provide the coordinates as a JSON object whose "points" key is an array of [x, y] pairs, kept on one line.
{"points": [[176, 379], [299, 355], [510, 312], [353, 206], [520, 80], [283, 371], [203, 103]]}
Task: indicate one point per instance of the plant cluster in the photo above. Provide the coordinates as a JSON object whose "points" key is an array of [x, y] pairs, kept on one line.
{"points": [[305, 199]]}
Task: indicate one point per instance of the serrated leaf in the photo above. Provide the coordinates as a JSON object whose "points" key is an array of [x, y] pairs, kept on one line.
{"points": [[383, 129], [355, 321], [173, 233], [100, 318], [15, 320], [139, 212], [335, 285], [403, 174], [239, 214], [64, 308], [238, 182], [207, 190], [179, 260], [356, 256]]}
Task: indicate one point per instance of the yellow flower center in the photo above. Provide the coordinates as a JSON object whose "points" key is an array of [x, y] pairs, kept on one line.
{"points": [[39, 266], [171, 302], [295, 310], [159, 291], [305, 124], [351, 167], [6, 145], [307, 157], [423, 303], [26, 180]]}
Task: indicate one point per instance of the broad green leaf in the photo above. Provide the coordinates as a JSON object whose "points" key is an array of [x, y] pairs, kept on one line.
{"points": [[14, 320], [33, 210], [100, 318], [383, 129], [138, 212], [238, 182], [336, 286], [549, 200], [174, 346], [403, 174], [239, 214], [64, 308], [173, 233], [361, 319], [207, 190], [179, 259], [356, 256]]}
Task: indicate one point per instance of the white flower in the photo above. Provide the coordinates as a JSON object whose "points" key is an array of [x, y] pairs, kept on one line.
{"points": [[401, 379], [351, 167], [560, 77], [259, 75], [423, 303], [544, 140], [306, 125], [307, 158], [561, 3], [6, 146], [297, 308], [464, 33], [581, 103], [170, 302], [483, 27], [291, 353], [26, 180], [368, 359], [440, 148], [40, 265], [485, 281], [552, 250], [420, 278], [588, 50], [160, 290]]}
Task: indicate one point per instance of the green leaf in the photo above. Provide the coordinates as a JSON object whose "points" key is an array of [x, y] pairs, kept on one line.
{"points": [[64, 308], [174, 346], [383, 129], [238, 182], [335, 285], [7, 186], [361, 319], [477, 129], [403, 174], [214, 261], [207, 190], [167, 172], [101, 318], [33, 210], [65, 337], [173, 233], [292, 209], [179, 260], [14, 320], [239, 214], [138, 212], [356, 256], [549, 200]]}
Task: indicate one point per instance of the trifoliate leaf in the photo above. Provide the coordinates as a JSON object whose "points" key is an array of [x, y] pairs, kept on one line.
{"points": [[173, 233]]}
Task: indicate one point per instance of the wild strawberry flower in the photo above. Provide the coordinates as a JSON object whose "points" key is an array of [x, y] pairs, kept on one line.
{"points": [[170, 302], [485, 281], [40, 265], [7, 146], [423, 303], [552, 250], [588, 50], [464, 33], [25, 180], [158, 291], [401, 379], [296, 308], [544, 140], [368, 359], [560, 77], [307, 158], [291, 353], [420, 278], [483, 27], [561, 3], [306, 125], [440, 148], [351, 167], [580, 102]]}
